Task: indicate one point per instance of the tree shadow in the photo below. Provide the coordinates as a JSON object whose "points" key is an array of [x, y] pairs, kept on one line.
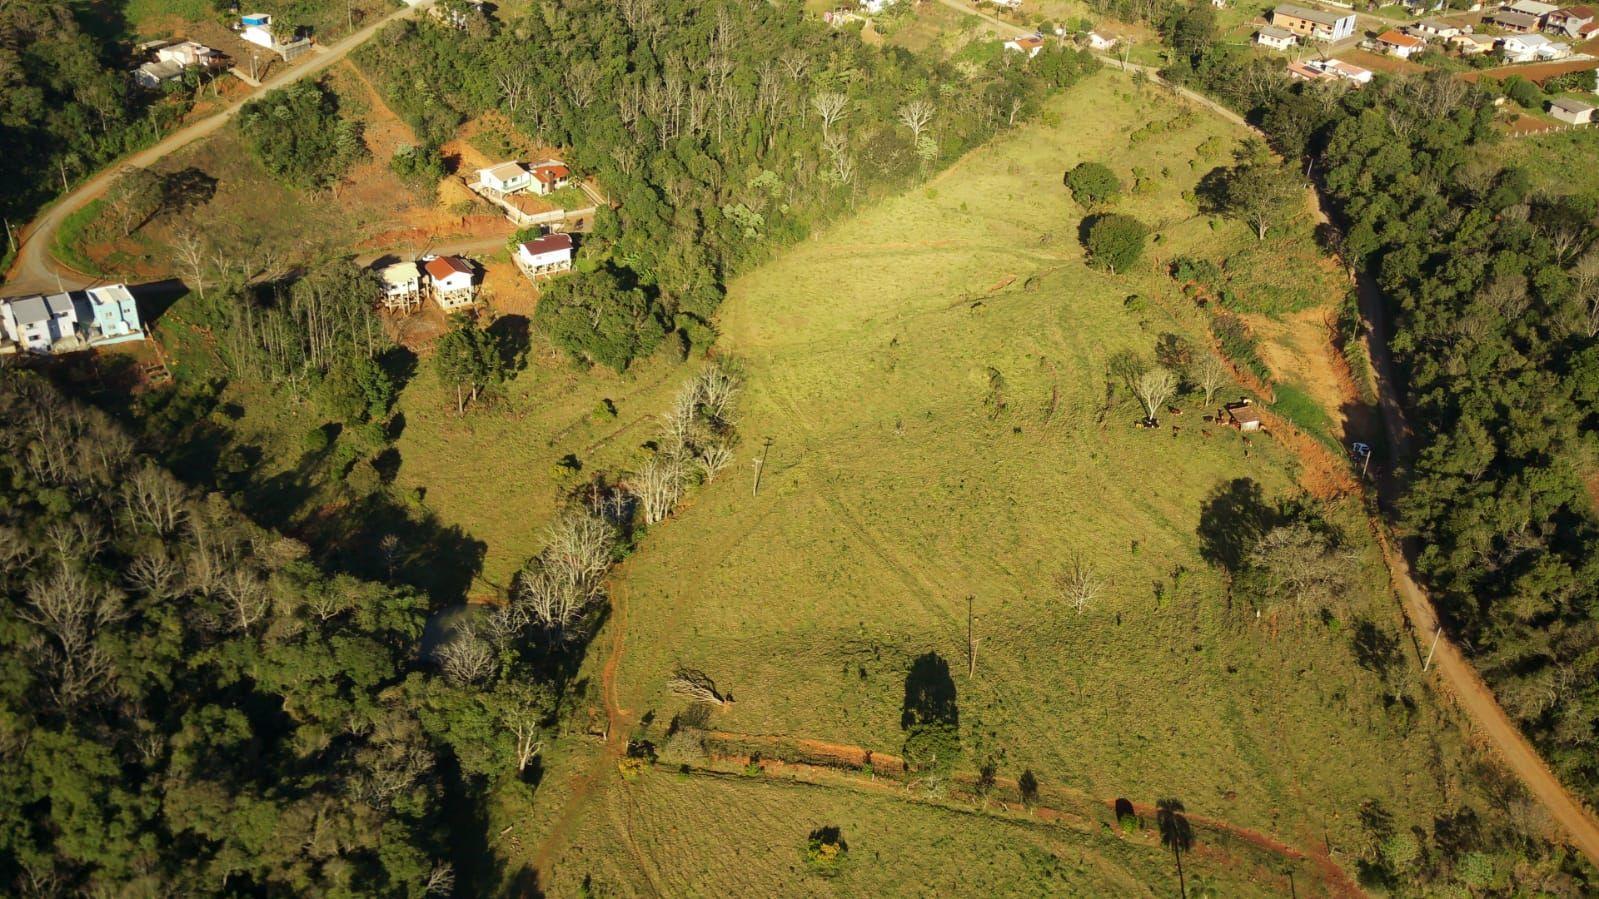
{"points": [[155, 298], [512, 337], [1376, 650], [1211, 190], [441, 560], [1231, 521], [399, 364], [187, 189], [1176, 834], [929, 694]]}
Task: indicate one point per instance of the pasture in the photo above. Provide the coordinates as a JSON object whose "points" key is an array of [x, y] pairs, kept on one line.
{"points": [[927, 394]]}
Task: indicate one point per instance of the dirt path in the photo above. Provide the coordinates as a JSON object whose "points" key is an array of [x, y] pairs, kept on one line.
{"points": [[35, 269], [863, 770]]}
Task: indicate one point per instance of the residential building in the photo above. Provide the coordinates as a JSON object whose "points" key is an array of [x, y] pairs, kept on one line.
{"points": [[1323, 69], [1100, 42], [1531, 47], [873, 7], [1574, 112], [1301, 71], [108, 315], [1348, 71], [1422, 7], [1532, 8], [505, 178], [1469, 44], [1027, 44], [256, 28], [1316, 24], [1434, 28], [1569, 21], [546, 255], [152, 75], [1514, 22], [1275, 38], [450, 280], [401, 287], [549, 176], [1397, 43], [190, 53], [1012, 5]]}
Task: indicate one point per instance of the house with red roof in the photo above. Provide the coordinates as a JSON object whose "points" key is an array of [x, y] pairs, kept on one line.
{"points": [[450, 280], [548, 176], [546, 255], [1396, 43], [1570, 21]]}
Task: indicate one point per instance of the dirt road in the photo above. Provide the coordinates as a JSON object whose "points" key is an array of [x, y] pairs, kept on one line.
{"points": [[35, 270]]}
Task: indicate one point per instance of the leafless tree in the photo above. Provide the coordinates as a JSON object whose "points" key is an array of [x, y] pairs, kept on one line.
{"points": [[513, 84], [504, 624], [153, 499], [70, 611], [1153, 388], [467, 658], [659, 485], [155, 574], [559, 585], [582, 79], [916, 115], [522, 713], [713, 457], [246, 597], [830, 106], [678, 422], [440, 880], [1080, 583], [1300, 564], [1586, 276], [190, 252], [1211, 374], [717, 388], [695, 686]]}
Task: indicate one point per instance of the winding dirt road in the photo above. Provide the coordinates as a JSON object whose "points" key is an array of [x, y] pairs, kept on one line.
{"points": [[36, 271]]}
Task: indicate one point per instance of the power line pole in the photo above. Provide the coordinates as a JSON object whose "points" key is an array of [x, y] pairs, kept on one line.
{"points": [[971, 640], [760, 465], [1437, 634]]}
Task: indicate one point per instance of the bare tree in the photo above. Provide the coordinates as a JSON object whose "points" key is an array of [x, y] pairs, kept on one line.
{"points": [[440, 880], [713, 458], [1153, 388], [467, 658], [1211, 374], [190, 253], [1080, 584], [1300, 564], [246, 597], [152, 499], [916, 115], [659, 485], [513, 84], [155, 574], [559, 585], [717, 388], [695, 686], [1586, 275], [70, 612], [830, 106]]}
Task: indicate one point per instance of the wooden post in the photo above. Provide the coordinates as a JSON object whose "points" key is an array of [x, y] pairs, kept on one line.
{"points": [[760, 464], [11, 237], [1428, 664]]}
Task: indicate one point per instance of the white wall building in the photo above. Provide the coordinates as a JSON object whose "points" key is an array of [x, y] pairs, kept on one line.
{"points": [[506, 178], [545, 256]]}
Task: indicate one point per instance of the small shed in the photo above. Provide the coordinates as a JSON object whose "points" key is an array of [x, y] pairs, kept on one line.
{"points": [[1242, 415], [1573, 112]]}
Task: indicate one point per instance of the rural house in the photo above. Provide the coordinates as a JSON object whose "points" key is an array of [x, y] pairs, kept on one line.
{"points": [[65, 322], [189, 53], [35, 324], [1574, 112], [256, 28], [1434, 28], [1397, 43], [401, 287], [549, 176], [108, 315], [505, 178], [1323, 69], [450, 280], [1569, 21], [152, 75], [1316, 24], [1275, 38], [1536, 8], [546, 255], [1100, 42], [1468, 44], [1529, 47], [1028, 44], [1514, 22]]}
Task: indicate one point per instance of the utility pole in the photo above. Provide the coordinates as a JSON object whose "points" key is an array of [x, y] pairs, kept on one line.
{"points": [[759, 465], [10, 236], [971, 641], [65, 188], [1428, 664]]}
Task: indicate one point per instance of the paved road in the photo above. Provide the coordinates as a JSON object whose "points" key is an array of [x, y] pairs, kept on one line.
{"points": [[35, 270]]}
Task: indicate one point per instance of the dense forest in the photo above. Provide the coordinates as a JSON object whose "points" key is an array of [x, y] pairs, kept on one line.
{"points": [[1493, 291], [720, 129]]}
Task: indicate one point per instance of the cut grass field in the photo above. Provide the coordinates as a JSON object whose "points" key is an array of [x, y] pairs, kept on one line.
{"points": [[926, 384]]}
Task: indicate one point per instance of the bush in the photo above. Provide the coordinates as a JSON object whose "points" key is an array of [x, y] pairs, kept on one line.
{"points": [[595, 317], [826, 851], [1524, 92], [1240, 344], [297, 134], [1093, 184], [419, 167], [1114, 241]]}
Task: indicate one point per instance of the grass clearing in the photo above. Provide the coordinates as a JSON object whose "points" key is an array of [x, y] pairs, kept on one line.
{"points": [[937, 429]]}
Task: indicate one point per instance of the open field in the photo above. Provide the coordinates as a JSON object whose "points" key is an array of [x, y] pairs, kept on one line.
{"points": [[1559, 163], [940, 444]]}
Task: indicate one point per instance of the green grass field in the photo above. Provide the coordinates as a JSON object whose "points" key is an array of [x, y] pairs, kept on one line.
{"points": [[930, 378], [1559, 163]]}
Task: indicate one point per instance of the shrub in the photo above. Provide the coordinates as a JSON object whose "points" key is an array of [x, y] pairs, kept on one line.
{"points": [[1524, 92], [1240, 344], [420, 167], [1114, 241], [297, 134], [1093, 184], [826, 851]]}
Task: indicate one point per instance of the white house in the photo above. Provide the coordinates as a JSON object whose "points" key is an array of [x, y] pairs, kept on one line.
{"points": [[1529, 47], [1275, 38], [1100, 42], [256, 28], [1434, 28], [1574, 112], [548, 176], [545, 256], [1532, 8], [401, 287], [1013, 5], [450, 279], [1347, 71], [65, 322], [1396, 43], [876, 6], [189, 53], [1316, 24], [505, 178], [1028, 44]]}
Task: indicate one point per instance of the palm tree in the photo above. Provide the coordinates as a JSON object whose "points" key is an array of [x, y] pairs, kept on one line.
{"points": [[1175, 833]]}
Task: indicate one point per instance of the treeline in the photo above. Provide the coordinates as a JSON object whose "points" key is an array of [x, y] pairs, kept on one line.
{"points": [[1493, 291], [190, 707], [67, 106], [719, 128]]}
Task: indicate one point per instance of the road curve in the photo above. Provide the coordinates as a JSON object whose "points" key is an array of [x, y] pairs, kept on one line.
{"points": [[36, 271]]}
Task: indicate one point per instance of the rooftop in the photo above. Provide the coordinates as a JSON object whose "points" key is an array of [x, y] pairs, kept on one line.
{"points": [[441, 267], [29, 310], [505, 171], [1399, 39], [1518, 19], [1569, 105], [549, 243], [398, 274], [1272, 31], [1319, 16]]}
